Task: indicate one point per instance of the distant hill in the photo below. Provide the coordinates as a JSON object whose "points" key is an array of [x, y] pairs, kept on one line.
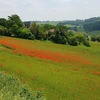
{"points": [[92, 24], [92, 20], [72, 22], [88, 25], [27, 23]]}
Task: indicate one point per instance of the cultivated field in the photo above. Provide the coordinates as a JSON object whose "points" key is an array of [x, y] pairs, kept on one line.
{"points": [[61, 72]]}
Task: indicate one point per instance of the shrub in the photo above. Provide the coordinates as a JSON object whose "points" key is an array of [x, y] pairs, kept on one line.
{"points": [[72, 41], [3, 30], [12, 89], [98, 38], [58, 39], [93, 38], [24, 33], [86, 43]]}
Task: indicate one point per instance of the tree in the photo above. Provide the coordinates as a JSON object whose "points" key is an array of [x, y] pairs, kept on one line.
{"points": [[93, 38], [48, 26], [57, 38], [37, 30], [77, 39], [25, 33], [98, 38], [69, 34], [33, 28], [72, 41], [3, 22], [80, 38], [62, 29], [86, 43], [14, 23], [3, 30]]}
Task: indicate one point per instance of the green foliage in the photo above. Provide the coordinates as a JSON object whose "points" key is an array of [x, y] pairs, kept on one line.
{"points": [[92, 24], [38, 31], [48, 26], [64, 36], [3, 22], [33, 28], [72, 41], [59, 34], [77, 39], [80, 38], [14, 19], [12, 89], [73, 22], [95, 38], [25, 33], [14, 23], [94, 33], [32, 37], [86, 43], [58, 39], [98, 38], [69, 34], [3, 30]]}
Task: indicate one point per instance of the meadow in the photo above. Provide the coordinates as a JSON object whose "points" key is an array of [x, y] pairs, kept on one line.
{"points": [[61, 72], [95, 33]]}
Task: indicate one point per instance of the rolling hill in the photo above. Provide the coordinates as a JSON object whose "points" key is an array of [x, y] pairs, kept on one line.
{"points": [[61, 72]]}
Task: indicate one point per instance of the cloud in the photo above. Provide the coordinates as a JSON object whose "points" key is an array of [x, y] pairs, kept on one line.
{"points": [[50, 9]]}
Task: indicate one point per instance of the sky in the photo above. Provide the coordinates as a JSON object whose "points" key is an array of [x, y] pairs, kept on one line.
{"points": [[53, 10]]}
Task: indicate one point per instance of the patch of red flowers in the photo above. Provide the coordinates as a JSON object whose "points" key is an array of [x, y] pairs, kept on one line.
{"points": [[47, 55], [96, 72], [1, 65]]}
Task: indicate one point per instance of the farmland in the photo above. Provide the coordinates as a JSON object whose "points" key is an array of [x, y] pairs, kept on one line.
{"points": [[62, 72]]}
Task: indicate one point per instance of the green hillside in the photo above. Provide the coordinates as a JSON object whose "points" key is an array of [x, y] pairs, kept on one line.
{"points": [[96, 33], [61, 72]]}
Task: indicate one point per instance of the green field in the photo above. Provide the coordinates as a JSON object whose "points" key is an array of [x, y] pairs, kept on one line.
{"points": [[49, 22], [95, 33], [74, 77]]}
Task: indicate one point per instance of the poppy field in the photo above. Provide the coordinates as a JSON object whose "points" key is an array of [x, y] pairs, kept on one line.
{"points": [[61, 72]]}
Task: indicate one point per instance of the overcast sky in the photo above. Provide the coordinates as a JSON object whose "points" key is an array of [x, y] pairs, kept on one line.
{"points": [[50, 9]]}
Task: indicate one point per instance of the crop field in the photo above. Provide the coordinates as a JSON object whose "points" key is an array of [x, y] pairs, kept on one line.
{"points": [[61, 72]]}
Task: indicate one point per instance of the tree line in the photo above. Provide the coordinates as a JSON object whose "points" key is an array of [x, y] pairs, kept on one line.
{"points": [[14, 27], [92, 26], [95, 38]]}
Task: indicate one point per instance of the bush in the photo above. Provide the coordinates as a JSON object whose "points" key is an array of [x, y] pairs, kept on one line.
{"points": [[32, 37], [12, 89], [72, 41], [58, 39], [93, 38], [86, 43], [3, 30], [24, 33], [98, 38]]}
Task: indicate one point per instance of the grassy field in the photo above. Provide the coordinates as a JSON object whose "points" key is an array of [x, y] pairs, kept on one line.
{"points": [[61, 72], [49, 22], [96, 33]]}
